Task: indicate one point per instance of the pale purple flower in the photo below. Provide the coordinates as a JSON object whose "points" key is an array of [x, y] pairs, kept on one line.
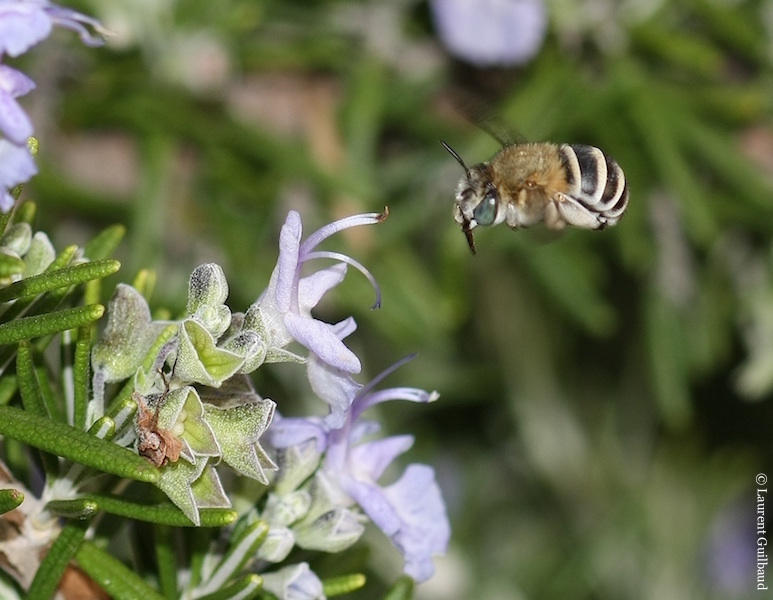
{"points": [[285, 307], [16, 166], [24, 23], [411, 511], [14, 122], [491, 32]]}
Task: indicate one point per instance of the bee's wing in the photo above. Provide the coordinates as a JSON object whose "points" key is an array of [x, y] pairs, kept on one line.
{"points": [[501, 132]]}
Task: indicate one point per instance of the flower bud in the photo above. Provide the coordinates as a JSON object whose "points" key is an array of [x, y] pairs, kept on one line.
{"points": [[127, 337], [296, 582], [277, 545], [332, 532]]}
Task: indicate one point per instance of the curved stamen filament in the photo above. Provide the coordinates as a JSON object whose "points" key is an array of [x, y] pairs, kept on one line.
{"points": [[349, 261], [354, 221]]}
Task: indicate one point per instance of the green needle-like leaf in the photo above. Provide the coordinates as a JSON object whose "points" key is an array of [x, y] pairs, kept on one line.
{"points": [[25, 213], [105, 243], [402, 589], [32, 397], [120, 582], [58, 557], [74, 444], [42, 325], [5, 217], [81, 373], [8, 387], [247, 587], [163, 514], [165, 560], [122, 412], [29, 387], [78, 508], [337, 586], [54, 280], [104, 428], [63, 258], [10, 499]]}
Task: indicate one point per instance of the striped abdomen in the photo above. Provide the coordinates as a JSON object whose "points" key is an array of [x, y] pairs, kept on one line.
{"points": [[595, 181]]}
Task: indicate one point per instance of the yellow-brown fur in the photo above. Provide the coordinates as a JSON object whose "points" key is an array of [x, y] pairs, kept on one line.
{"points": [[525, 173]]}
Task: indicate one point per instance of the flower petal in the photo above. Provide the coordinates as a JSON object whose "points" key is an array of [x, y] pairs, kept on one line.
{"points": [[15, 82], [22, 25], [424, 530], [16, 164], [290, 431], [320, 339], [334, 387], [370, 460], [287, 266], [312, 288], [6, 201]]}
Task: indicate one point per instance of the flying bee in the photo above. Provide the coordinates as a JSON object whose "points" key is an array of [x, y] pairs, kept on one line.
{"points": [[523, 184]]}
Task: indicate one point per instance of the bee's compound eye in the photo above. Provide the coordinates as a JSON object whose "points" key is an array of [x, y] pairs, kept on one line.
{"points": [[486, 211]]}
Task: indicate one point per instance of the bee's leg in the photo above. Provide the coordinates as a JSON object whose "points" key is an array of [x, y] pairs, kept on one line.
{"points": [[553, 218], [574, 213]]}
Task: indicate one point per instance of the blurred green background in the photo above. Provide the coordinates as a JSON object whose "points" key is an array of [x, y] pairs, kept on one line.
{"points": [[605, 397]]}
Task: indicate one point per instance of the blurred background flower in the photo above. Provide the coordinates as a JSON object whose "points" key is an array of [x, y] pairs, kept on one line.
{"points": [[491, 32]]}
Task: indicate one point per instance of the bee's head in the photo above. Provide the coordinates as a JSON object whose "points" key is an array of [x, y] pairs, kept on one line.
{"points": [[477, 200]]}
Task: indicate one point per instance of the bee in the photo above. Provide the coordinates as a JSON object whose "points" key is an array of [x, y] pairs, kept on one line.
{"points": [[557, 184]]}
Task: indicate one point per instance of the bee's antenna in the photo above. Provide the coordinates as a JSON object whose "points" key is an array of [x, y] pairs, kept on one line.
{"points": [[458, 158]]}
